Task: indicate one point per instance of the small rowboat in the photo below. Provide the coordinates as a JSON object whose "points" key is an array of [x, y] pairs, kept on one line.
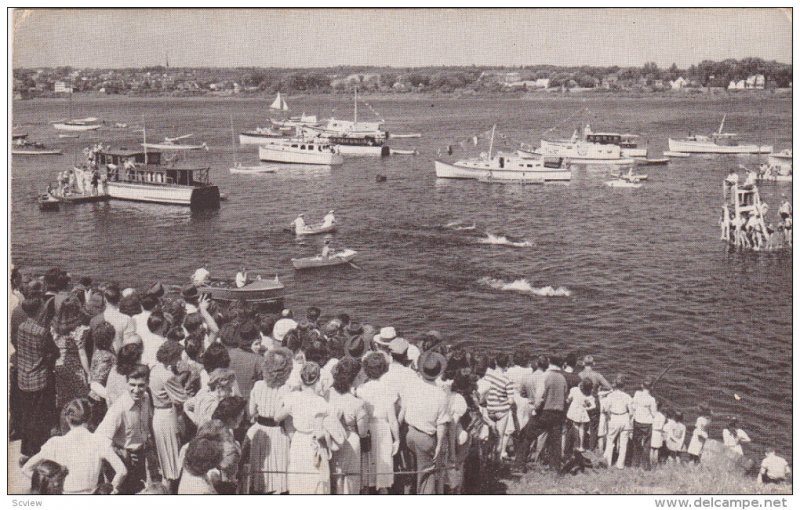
{"points": [[651, 161], [310, 231], [622, 183], [403, 152], [256, 169], [257, 292], [674, 154], [47, 202], [406, 135], [36, 152], [64, 135], [343, 257], [631, 178]]}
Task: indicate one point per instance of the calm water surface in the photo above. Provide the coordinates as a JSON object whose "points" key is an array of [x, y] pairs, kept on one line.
{"points": [[648, 281]]}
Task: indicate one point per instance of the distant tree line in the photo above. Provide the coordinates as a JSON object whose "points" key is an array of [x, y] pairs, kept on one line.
{"points": [[342, 79]]}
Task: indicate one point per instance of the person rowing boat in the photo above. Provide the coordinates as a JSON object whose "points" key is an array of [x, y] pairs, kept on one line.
{"points": [[299, 224], [329, 220]]}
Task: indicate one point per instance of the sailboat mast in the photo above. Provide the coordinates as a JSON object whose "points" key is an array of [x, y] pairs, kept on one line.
{"points": [[722, 124], [355, 110], [144, 139], [491, 142], [233, 141]]}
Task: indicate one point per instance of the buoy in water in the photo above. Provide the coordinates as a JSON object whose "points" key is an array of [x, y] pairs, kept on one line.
{"points": [[380, 178]]}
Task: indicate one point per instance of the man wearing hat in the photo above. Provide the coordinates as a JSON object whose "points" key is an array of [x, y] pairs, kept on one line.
{"points": [[599, 383], [283, 326], [380, 342], [427, 418]]}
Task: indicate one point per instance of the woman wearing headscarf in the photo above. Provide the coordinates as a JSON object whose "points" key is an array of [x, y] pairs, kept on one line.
{"points": [[309, 448], [70, 328], [352, 414], [166, 432], [267, 439]]}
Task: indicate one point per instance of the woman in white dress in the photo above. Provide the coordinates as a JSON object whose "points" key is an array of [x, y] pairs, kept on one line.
{"points": [[352, 413], [309, 471], [166, 433], [267, 439], [383, 427]]}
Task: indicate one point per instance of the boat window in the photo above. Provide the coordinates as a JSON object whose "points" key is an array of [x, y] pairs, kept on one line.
{"points": [[530, 166], [302, 147], [294, 145]]}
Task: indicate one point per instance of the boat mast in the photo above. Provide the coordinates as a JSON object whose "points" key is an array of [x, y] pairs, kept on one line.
{"points": [[355, 110], [491, 142], [144, 139], [233, 141], [722, 124]]}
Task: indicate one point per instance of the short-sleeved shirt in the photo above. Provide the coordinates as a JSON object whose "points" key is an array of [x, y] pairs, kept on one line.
{"points": [[127, 423], [429, 408], [617, 403], [500, 394], [378, 398], [775, 467], [82, 454], [643, 406]]}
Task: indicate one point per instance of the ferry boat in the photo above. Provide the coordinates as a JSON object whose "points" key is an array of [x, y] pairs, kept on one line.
{"points": [[298, 150], [717, 143], [139, 175], [627, 142]]}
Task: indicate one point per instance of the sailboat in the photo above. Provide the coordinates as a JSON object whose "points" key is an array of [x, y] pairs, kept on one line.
{"points": [[85, 124], [353, 138], [718, 143], [259, 135], [238, 168]]}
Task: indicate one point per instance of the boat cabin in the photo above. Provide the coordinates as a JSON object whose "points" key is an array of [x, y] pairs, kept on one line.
{"points": [[311, 146], [624, 141], [147, 167]]}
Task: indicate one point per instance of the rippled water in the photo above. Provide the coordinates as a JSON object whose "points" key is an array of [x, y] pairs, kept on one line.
{"points": [[636, 277]]}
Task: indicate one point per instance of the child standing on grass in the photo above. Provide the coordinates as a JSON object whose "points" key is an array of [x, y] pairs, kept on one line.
{"points": [[699, 437], [675, 434], [657, 437]]}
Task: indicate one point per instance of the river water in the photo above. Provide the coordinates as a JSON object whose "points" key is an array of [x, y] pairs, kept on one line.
{"points": [[636, 277]]}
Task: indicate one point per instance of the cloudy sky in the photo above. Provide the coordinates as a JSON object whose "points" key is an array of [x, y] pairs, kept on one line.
{"points": [[401, 38]]}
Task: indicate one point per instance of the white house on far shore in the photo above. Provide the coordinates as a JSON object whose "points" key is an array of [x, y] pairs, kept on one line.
{"points": [[678, 83]]}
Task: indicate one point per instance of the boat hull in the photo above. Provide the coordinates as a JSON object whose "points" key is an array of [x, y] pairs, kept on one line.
{"points": [[688, 146], [621, 183], [335, 260], [253, 138], [634, 153], [310, 231], [259, 292], [363, 150], [202, 197], [260, 169], [451, 171], [280, 154], [25, 152], [76, 127]]}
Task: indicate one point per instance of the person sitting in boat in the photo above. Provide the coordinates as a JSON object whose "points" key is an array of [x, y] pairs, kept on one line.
{"points": [[299, 224], [241, 278], [326, 249], [329, 220]]}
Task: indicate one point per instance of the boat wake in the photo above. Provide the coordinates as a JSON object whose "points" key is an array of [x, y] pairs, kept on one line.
{"points": [[457, 225], [523, 286], [502, 240]]}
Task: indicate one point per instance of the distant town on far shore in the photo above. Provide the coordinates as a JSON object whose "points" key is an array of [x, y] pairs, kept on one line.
{"points": [[163, 80]]}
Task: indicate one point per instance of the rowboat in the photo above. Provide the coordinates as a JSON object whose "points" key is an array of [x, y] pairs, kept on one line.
{"points": [[47, 202], [343, 257], [630, 177], [404, 152], [170, 146], [651, 161], [255, 169], [622, 183], [319, 229], [406, 135], [33, 151], [257, 292], [64, 135]]}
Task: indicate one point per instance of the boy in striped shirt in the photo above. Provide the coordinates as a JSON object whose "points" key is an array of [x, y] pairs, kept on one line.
{"points": [[500, 400]]}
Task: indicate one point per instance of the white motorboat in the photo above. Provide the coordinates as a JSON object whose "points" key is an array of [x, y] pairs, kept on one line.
{"points": [[406, 135], [583, 152], [717, 143], [258, 135], [623, 183], [504, 167], [298, 150], [781, 162], [77, 125], [628, 143]]}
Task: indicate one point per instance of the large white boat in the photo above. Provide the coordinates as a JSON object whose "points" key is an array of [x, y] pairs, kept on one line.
{"points": [[717, 143], [298, 150], [628, 143], [353, 138], [504, 168], [578, 151]]}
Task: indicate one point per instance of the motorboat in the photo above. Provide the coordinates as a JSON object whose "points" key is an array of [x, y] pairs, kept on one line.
{"points": [[579, 151], [258, 135], [718, 143], [342, 257], [299, 150], [22, 147], [623, 183], [258, 292], [628, 143], [48, 202]]}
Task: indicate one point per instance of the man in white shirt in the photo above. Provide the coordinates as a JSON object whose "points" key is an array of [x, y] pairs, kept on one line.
{"points": [[152, 338], [786, 208], [643, 408], [148, 303], [123, 324], [427, 417], [616, 405], [299, 224], [329, 220], [241, 278]]}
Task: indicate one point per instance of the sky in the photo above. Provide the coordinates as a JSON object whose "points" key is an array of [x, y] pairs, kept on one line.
{"points": [[399, 38]]}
